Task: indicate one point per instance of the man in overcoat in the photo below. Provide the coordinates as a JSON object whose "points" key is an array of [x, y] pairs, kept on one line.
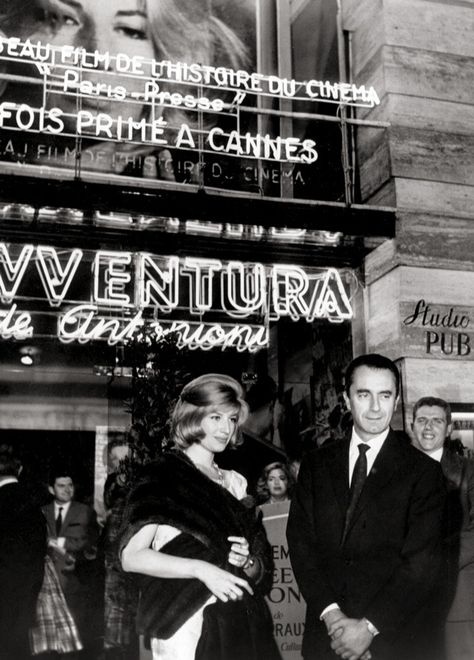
{"points": [[364, 532], [431, 431]]}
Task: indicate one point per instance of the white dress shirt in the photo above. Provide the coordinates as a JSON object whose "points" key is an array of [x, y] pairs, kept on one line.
{"points": [[436, 455], [64, 507], [375, 445]]}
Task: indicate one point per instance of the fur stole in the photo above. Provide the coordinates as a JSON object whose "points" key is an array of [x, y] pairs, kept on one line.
{"points": [[174, 492]]}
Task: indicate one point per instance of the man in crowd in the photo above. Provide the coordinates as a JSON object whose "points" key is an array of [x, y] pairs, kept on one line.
{"points": [[431, 430], [364, 531], [22, 553], [72, 540]]}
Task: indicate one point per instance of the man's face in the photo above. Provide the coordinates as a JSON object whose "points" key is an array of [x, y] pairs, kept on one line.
{"points": [[372, 401], [62, 490], [430, 428]]}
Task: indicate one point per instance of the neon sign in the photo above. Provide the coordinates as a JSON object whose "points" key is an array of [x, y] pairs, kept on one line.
{"points": [[155, 86], [110, 295]]}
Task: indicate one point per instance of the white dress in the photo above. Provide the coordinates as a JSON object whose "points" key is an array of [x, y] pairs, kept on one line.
{"points": [[182, 645]]}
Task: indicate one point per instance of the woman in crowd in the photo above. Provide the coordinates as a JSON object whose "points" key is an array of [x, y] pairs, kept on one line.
{"points": [[207, 32], [120, 595], [276, 483], [199, 547]]}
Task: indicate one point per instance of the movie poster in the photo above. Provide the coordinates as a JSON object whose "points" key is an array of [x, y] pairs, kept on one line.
{"points": [[139, 89]]}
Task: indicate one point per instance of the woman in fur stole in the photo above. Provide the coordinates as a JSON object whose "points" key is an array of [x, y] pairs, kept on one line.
{"points": [[196, 541]]}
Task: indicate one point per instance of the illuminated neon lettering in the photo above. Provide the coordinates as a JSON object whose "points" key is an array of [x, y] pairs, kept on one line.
{"points": [[201, 227], [85, 119], [185, 138], [234, 231], [6, 111], [55, 277], [14, 324], [12, 271], [205, 337], [210, 138], [329, 299], [200, 273], [287, 234], [83, 324], [158, 282], [111, 278], [128, 291], [289, 286], [246, 291], [22, 110]]}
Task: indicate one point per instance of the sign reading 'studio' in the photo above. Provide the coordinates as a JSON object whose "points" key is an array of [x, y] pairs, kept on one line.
{"points": [[440, 331]]}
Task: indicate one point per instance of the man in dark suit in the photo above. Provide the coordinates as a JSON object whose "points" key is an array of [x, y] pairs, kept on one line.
{"points": [[72, 541], [22, 553], [364, 531], [431, 431]]}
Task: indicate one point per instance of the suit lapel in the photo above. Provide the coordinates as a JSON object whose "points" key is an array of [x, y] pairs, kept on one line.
{"points": [[69, 517], [338, 463], [383, 469]]}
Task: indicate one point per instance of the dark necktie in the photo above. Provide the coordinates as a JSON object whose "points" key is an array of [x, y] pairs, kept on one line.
{"points": [[359, 476], [59, 521]]}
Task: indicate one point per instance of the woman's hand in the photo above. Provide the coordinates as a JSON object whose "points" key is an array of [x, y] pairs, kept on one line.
{"points": [[222, 584], [239, 551]]}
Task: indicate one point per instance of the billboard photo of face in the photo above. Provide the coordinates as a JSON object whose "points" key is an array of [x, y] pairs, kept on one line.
{"points": [[92, 85]]}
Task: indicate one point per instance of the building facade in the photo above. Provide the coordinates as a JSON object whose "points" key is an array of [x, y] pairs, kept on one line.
{"points": [[371, 189]]}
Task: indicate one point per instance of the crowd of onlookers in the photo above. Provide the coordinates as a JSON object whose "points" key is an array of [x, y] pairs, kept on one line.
{"points": [[62, 590], [64, 593]]}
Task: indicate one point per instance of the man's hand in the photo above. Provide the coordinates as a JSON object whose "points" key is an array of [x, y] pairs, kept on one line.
{"points": [[351, 638], [331, 617]]}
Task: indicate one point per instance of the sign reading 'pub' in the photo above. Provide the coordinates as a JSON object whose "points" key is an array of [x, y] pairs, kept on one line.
{"points": [[438, 331]]}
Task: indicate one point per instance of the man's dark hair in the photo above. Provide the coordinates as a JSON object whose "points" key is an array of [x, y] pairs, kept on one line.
{"points": [[373, 361], [58, 473], [9, 463], [433, 401]]}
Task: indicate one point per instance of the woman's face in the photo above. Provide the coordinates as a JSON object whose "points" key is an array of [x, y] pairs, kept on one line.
{"points": [[218, 427], [112, 26], [277, 484]]}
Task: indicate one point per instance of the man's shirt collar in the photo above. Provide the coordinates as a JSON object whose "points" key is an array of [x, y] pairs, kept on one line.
{"points": [[375, 442], [436, 455]]}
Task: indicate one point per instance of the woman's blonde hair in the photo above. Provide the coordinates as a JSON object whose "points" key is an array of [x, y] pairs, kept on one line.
{"points": [[200, 397]]}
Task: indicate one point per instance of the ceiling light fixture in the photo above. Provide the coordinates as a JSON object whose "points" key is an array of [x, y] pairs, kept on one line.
{"points": [[29, 355]]}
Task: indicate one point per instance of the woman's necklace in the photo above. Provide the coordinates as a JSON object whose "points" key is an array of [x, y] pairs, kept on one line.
{"points": [[212, 471]]}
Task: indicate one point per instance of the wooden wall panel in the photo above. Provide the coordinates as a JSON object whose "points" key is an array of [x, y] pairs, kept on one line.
{"points": [[385, 196], [444, 287], [432, 155], [435, 197], [423, 24], [365, 20], [431, 114], [382, 309], [374, 160], [450, 380], [435, 241], [429, 74]]}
